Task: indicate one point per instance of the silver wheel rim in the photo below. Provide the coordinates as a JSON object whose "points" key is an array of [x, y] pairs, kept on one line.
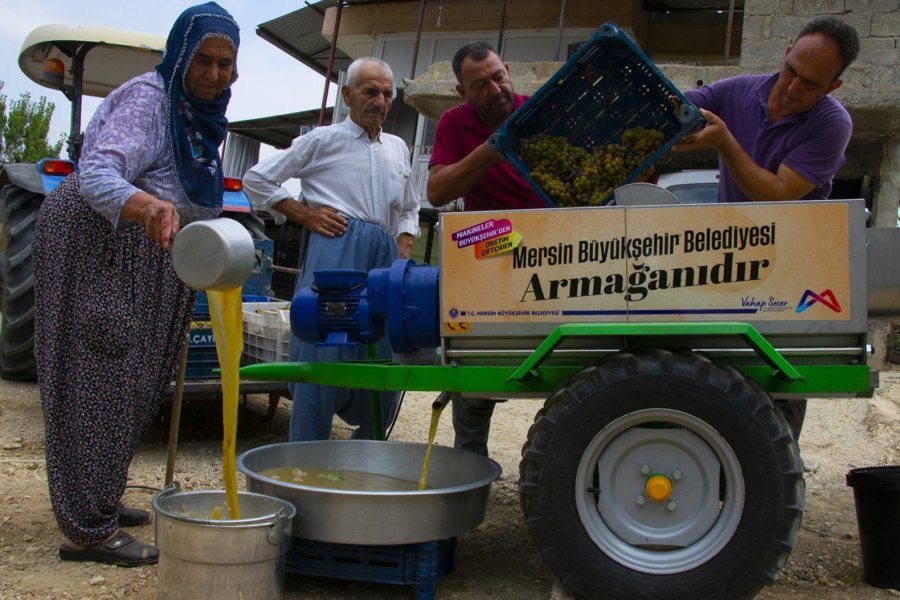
{"points": [[671, 542]]}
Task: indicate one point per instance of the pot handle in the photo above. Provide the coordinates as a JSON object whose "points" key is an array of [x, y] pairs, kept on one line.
{"points": [[172, 488], [279, 529]]}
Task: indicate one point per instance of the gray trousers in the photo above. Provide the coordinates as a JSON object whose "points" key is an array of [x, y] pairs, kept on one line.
{"points": [[472, 423]]}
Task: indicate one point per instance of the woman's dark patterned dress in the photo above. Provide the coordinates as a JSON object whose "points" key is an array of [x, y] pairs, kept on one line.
{"points": [[110, 319]]}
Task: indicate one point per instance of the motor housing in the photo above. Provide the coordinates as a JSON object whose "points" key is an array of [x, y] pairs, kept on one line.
{"points": [[347, 307]]}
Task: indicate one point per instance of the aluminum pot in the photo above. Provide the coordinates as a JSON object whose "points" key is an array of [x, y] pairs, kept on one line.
{"points": [[217, 254], [202, 557], [459, 484]]}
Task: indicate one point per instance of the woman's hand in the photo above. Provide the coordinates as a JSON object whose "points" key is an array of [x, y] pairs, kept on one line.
{"points": [[161, 222], [159, 217]]}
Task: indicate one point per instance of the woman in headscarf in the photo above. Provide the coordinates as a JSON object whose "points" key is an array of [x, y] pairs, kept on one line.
{"points": [[111, 315]]}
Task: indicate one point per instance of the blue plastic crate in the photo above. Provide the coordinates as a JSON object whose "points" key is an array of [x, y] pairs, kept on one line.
{"points": [[606, 87], [201, 357], [417, 565], [201, 307]]}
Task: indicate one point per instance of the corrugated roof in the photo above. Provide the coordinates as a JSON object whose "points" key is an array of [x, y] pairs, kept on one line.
{"points": [[279, 130], [299, 33]]}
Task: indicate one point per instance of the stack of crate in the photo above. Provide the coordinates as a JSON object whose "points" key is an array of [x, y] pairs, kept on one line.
{"points": [[267, 332], [202, 357]]}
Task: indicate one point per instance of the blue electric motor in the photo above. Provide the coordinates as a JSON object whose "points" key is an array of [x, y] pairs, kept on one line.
{"points": [[348, 307]]}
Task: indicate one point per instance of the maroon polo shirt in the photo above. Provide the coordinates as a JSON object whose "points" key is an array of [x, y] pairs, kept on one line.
{"points": [[502, 188]]}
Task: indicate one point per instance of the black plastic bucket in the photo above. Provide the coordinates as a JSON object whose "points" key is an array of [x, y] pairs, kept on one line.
{"points": [[876, 493]]}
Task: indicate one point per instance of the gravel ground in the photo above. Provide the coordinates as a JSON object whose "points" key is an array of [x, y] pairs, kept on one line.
{"points": [[497, 560]]}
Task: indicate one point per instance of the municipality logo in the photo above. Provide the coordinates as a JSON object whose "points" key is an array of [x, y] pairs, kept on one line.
{"points": [[810, 297]]}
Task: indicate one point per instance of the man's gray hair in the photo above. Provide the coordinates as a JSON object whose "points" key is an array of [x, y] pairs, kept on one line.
{"points": [[353, 69]]}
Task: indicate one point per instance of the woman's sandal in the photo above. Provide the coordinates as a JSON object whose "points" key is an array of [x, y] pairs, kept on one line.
{"points": [[121, 550], [132, 517]]}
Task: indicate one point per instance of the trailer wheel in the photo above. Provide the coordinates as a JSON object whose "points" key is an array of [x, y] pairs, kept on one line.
{"points": [[662, 475], [20, 208]]}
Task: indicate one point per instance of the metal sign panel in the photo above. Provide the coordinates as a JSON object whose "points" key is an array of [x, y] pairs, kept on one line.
{"points": [[787, 267]]}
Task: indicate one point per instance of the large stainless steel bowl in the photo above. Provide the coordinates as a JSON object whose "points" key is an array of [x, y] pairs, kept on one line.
{"points": [[459, 483]]}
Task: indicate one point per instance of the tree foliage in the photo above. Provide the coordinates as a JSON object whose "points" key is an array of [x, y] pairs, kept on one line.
{"points": [[24, 125]]}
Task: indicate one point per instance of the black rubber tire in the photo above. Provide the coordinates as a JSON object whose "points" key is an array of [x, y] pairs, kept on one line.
{"points": [[731, 414], [20, 209]]}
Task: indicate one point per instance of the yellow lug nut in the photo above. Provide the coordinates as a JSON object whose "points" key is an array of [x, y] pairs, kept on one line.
{"points": [[658, 488]]}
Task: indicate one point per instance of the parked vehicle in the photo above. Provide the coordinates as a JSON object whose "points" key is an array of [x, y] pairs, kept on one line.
{"points": [[692, 186]]}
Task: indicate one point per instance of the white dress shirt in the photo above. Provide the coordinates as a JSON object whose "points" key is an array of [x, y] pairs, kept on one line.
{"points": [[338, 166]]}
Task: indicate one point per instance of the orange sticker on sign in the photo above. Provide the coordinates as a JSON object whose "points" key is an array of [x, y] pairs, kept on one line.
{"points": [[457, 327]]}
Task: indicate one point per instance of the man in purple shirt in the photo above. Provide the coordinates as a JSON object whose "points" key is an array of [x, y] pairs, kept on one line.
{"points": [[781, 137], [464, 165]]}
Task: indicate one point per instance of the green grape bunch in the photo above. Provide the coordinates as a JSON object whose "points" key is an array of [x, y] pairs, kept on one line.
{"points": [[575, 176]]}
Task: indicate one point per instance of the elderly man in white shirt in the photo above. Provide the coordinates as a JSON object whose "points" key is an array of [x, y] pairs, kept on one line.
{"points": [[361, 209]]}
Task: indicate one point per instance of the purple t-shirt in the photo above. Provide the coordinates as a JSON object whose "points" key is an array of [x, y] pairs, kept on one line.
{"points": [[811, 143], [458, 133]]}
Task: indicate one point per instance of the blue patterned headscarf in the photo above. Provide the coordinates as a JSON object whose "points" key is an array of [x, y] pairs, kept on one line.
{"points": [[197, 127]]}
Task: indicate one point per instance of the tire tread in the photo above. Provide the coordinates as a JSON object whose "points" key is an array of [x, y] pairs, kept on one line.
{"points": [[548, 433]]}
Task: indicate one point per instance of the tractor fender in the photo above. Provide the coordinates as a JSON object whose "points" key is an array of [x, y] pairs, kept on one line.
{"points": [[23, 175]]}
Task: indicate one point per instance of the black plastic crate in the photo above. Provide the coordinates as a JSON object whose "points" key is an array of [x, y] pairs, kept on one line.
{"points": [[289, 238], [605, 88], [416, 565]]}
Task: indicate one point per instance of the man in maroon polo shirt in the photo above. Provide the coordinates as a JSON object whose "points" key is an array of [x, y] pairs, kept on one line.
{"points": [[464, 165]]}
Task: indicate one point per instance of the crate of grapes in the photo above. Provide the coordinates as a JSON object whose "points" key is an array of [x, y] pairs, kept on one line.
{"points": [[600, 121]]}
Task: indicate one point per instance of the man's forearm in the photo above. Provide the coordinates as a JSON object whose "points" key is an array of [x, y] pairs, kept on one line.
{"points": [[758, 183], [452, 181], [751, 178], [293, 210]]}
